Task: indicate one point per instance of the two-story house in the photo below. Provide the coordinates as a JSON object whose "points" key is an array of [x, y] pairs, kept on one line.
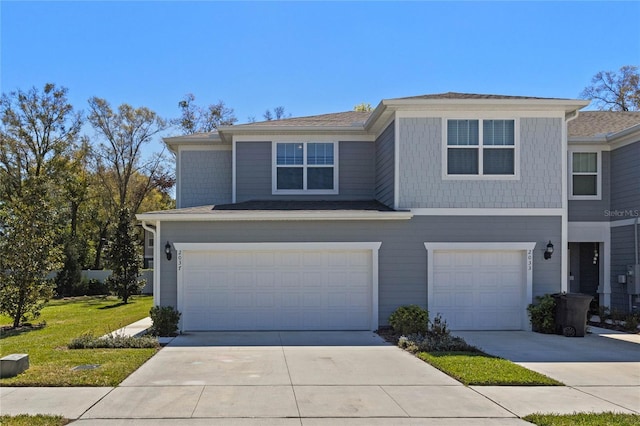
{"points": [[459, 203]]}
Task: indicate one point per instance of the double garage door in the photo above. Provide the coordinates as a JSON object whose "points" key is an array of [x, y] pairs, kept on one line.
{"points": [[277, 287]]}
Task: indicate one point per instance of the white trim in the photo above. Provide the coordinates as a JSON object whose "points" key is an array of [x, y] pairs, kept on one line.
{"points": [[264, 215], [156, 261], [233, 171], [304, 166], [526, 247], [592, 150], [365, 245], [624, 222], [479, 113], [486, 212], [178, 178], [481, 147], [373, 246], [396, 163], [294, 136], [225, 147]]}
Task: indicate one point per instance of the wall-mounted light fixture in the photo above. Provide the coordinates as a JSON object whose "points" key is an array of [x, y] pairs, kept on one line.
{"points": [[548, 251], [167, 250]]}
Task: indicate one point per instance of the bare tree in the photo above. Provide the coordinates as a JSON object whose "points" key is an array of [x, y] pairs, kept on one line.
{"points": [[195, 119], [615, 91], [277, 114]]}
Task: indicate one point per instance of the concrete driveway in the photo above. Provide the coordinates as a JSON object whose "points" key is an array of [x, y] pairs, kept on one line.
{"points": [[288, 377], [604, 363], [339, 378]]}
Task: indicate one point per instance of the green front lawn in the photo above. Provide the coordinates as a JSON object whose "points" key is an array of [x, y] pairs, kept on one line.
{"points": [[51, 362], [584, 419], [29, 420], [473, 368]]}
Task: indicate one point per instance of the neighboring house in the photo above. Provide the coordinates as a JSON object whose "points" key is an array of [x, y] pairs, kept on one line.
{"points": [[331, 222], [604, 207]]}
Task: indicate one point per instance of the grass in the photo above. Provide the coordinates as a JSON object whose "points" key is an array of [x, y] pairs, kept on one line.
{"points": [[51, 362], [29, 420], [584, 419], [484, 370]]}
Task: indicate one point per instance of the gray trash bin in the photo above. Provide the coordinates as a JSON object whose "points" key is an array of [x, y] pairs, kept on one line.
{"points": [[571, 313]]}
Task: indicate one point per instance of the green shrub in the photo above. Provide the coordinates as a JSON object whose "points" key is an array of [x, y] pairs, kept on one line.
{"points": [[542, 314], [410, 319], [438, 338], [165, 321], [631, 322], [113, 341]]}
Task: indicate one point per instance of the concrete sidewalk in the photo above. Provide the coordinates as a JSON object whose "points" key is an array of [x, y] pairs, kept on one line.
{"points": [[311, 378]]}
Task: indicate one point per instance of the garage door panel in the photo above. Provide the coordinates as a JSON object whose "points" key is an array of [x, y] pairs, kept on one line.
{"points": [[478, 290], [277, 290], [337, 259], [290, 259], [313, 260]]}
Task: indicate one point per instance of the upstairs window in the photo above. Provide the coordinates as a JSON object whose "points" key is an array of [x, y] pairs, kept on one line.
{"points": [[584, 174], [305, 167], [480, 148]]}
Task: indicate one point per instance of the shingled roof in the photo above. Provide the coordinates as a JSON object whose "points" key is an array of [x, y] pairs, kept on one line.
{"points": [[338, 119], [457, 96], [601, 123]]}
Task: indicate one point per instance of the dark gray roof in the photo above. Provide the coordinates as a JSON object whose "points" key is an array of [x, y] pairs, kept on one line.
{"points": [[600, 123], [457, 95], [339, 119], [289, 205]]}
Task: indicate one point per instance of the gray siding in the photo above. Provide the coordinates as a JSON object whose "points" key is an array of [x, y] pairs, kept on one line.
{"points": [[253, 171], [625, 182], [594, 210], [385, 166], [422, 186], [622, 254], [356, 171], [205, 178], [402, 256]]}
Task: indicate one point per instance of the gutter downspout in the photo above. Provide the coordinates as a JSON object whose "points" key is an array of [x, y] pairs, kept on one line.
{"points": [[635, 228], [635, 238], [156, 261], [564, 264]]}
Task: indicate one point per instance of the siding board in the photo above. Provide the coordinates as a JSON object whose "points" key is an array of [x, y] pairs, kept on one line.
{"points": [[205, 178]]}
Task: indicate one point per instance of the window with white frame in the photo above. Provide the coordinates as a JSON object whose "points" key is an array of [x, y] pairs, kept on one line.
{"points": [[480, 148], [584, 174], [301, 167]]}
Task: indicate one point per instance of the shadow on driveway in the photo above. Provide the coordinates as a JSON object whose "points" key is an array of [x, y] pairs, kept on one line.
{"points": [[278, 338]]}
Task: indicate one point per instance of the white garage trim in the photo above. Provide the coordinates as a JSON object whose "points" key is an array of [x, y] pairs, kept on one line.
{"points": [[374, 247], [525, 247]]}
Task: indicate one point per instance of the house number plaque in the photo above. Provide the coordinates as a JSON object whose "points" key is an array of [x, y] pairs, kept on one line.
{"points": [[179, 260], [529, 260]]}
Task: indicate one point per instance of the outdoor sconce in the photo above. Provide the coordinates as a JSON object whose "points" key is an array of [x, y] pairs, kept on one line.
{"points": [[548, 251], [167, 250]]}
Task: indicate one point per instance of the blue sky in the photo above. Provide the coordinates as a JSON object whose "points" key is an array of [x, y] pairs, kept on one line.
{"points": [[310, 57]]}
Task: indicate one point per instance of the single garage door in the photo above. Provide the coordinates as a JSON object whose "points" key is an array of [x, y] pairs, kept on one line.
{"points": [[277, 289], [479, 290]]}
